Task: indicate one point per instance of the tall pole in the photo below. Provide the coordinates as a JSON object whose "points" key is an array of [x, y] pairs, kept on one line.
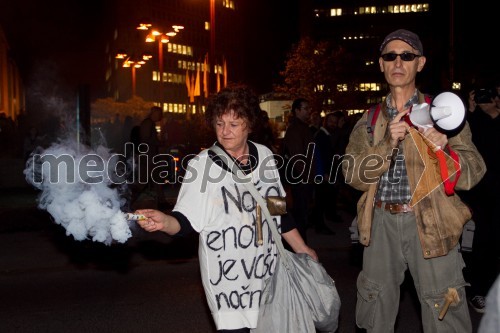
{"points": [[133, 81], [160, 60], [211, 59], [452, 42]]}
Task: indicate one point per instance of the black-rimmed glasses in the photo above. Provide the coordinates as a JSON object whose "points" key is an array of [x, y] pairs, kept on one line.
{"points": [[405, 56]]}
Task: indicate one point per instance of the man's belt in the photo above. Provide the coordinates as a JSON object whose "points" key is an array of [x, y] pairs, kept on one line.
{"points": [[394, 208]]}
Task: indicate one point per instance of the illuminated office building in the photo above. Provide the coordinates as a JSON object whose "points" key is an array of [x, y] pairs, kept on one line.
{"points": [[358, 27], [12, 99], [197, 34]]}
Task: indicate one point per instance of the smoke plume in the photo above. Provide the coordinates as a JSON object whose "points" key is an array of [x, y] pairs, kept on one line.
{"points": [[87, 204]]}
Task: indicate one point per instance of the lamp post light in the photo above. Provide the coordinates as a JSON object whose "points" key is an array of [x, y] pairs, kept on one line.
{"points": [[212, 32], [133, 63], [156, 35]]}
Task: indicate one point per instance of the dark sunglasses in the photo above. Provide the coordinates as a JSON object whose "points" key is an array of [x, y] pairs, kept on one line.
{"points": [[405, 56]]}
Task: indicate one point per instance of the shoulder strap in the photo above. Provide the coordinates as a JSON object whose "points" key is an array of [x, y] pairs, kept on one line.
{"points": [[372, 119]]}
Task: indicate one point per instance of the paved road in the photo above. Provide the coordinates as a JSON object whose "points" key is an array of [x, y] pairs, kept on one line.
{"points": [[51, 283]]}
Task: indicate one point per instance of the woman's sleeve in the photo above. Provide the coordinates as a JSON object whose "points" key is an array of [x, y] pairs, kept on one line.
{"points": [[186, 228], [287, 223]]}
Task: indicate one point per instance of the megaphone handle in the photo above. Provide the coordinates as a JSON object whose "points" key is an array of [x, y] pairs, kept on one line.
{"points": [[428, 142]]}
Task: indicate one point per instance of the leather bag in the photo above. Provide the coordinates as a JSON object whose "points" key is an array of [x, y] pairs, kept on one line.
{"points": [[276, 205]]}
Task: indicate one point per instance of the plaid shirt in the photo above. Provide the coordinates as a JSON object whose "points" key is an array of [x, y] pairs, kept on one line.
{"points": [[393, 186]]}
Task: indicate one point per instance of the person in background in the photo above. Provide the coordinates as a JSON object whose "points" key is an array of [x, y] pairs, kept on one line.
{"points": [[263, 132], [149, 144], [32, 141], [222, 212], [298, 152], [407, 219], [482, 262], [324, 195], [341, 191], [315, 122], [490, 322]]}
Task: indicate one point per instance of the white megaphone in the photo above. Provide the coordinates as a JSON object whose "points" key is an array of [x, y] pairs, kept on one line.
{"points": [[447, 111]]}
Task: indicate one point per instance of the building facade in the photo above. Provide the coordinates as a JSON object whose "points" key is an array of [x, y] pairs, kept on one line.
{"points": [[12, 98], [359, 26], [200, 56]]}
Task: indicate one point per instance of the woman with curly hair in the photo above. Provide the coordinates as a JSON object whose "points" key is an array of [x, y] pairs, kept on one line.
{"points": [[234, 267]]}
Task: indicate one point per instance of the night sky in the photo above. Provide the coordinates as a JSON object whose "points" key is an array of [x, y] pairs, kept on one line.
{"points": [[54, 40]]}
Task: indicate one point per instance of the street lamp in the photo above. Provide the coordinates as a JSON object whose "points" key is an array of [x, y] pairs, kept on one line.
{"points": [[162, 38], [133, 63]]}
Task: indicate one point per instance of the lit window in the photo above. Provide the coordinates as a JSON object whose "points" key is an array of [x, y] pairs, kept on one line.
{"points": [[228, 4], [342, 87], [207, 25], [336, 12]]}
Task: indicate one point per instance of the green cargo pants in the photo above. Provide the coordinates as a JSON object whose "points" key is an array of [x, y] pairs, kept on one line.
{"points": [[394, 248]]}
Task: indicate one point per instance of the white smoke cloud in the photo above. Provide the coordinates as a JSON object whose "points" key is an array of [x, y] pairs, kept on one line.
{"points": [[86, 210]]}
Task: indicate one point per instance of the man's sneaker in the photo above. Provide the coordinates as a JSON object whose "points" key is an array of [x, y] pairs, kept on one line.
{"points": [[478, 303]]}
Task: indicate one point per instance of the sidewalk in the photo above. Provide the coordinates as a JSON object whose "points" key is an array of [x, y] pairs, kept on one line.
{"points": [[32, 242]]}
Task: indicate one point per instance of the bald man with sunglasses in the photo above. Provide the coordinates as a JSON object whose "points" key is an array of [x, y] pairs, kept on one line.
{"points": [[407, 219]]}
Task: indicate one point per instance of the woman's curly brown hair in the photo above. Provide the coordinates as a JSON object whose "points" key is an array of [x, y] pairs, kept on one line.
{"points": [[237, 97]]}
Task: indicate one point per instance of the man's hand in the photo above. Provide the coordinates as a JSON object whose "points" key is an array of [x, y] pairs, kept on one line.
{"points": [[398, 129], [438, 139]]}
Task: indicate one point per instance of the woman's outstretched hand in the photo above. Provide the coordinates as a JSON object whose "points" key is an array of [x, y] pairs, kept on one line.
{"points": [[155, 220]]}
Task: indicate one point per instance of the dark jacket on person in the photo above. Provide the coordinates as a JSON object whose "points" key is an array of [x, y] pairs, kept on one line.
{"points": [[296, 142]]}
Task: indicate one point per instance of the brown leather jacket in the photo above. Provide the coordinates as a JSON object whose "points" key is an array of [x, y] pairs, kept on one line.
{"points": [[440, 218]]}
